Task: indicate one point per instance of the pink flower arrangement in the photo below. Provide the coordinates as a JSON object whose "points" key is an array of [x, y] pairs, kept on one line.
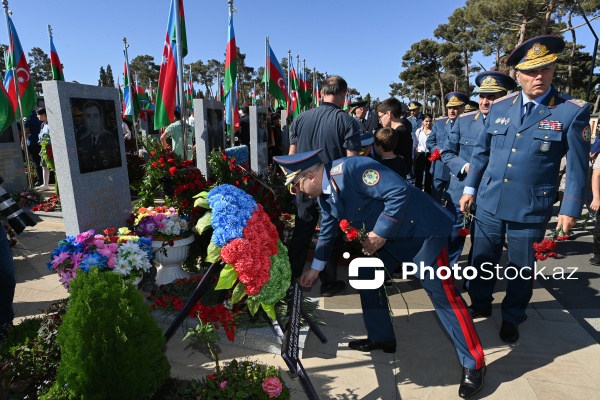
{"points": [[272, 386]]}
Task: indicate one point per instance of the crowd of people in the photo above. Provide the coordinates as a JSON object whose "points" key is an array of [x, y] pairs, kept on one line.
{"points": [[494, 169]]}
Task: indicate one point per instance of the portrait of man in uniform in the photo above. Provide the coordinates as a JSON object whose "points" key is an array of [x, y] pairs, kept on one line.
{"points": [[97, 147]]}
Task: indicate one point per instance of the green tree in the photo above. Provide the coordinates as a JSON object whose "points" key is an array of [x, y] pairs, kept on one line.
{"points": [[145, 69], [460, 32], [110, 80], [39, 63], [102, 79]]}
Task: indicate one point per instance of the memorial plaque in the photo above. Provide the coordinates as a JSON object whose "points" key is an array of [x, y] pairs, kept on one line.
{"points": [[92, 175], [209, 129]]}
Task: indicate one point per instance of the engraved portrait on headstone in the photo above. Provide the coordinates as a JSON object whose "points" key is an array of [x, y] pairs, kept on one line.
{"points": [[97, 146]]}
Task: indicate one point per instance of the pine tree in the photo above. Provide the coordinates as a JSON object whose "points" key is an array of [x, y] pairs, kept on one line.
{"points": [[110, 80], [102, 80]]}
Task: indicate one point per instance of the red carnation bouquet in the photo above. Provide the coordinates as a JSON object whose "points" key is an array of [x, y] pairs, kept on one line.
{"points": [[546, 247], [436, 155], [353, 234]]}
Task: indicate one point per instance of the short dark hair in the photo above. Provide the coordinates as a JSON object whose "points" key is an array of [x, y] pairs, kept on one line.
{"points": [[392, 104], [246, 110], [41, 111], [335, 85], [386, 138], [177, 114]]}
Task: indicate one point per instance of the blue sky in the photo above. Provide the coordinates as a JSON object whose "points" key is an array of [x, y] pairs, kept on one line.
{"points": [[363, 41]]}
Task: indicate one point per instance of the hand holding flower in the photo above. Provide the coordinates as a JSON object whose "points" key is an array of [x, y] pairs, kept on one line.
{"points": [[372, 243]]}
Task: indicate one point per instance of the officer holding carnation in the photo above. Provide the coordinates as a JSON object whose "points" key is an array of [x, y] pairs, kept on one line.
{"points": [[514, 174], [400, 224]]}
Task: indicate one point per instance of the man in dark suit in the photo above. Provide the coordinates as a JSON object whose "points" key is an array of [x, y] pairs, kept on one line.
{"points": [[456, 153], [514, 172], [455, 104], [401, 224], [97, 148]]}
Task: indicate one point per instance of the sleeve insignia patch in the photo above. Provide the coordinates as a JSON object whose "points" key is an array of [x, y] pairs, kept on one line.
{"points": [[370, 177], [586, 134]]}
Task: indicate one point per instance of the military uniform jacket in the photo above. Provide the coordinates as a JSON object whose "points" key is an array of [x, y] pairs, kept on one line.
{"points": [[515, 166], [458, 149], [372, 196], [437, 138], [416, 122]]}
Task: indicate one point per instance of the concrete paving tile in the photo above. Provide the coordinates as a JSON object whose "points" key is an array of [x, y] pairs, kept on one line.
{"points": [[561, 391], [589, 358]]}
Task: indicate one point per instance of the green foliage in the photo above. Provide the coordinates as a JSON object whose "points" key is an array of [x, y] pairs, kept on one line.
{"points": [[31, 355], [241, 380], [108, 332]]}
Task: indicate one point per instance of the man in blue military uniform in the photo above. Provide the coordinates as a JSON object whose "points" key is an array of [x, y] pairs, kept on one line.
{"points": [[514, 169], [457, 151], [455, 104], [416, 117], [403, 225], [366, 118]]}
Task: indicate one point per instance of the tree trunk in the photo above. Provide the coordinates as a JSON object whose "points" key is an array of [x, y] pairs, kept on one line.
{"points": [[467, 91], [443, 104], [549, 11], [571, 55], [521, 39], [596, 104]]}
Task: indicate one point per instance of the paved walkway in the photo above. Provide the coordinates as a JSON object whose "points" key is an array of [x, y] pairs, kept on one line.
{"points": [[554, 359]]}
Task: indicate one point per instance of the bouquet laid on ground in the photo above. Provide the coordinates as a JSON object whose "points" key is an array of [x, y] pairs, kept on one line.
{"points": [[125, 253], [257, 265], [27, 198], [52, 204]]}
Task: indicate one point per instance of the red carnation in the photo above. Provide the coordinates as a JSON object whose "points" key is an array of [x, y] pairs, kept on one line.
{"points": [[435, 155], [463, 232], [173, 170], [352, 234], [344, 224]]}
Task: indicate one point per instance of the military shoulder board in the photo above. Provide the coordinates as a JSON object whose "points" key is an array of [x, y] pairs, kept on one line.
{"points": [[578, 102], [337, 170], [508, 96]]}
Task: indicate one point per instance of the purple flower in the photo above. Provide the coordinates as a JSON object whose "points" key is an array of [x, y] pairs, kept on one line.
{"points": [[146, 227], [85, 237]]}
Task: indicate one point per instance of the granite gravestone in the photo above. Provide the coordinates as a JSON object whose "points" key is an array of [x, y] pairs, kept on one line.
{"points": [[259, 150], [11, 160], [89, 156], [209, 130]]}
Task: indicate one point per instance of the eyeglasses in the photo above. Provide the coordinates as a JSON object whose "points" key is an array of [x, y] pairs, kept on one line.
{"points": [[296, 186], [381, 115]]}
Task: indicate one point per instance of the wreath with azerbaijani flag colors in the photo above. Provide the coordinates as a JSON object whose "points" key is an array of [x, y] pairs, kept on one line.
{"points": [[244, 238]]}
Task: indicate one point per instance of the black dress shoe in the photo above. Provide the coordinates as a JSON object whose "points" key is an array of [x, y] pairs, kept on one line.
{"points": [[332, 288], [480, 312], [471, 382], [595, 260], [369, 345], [509, 333]]}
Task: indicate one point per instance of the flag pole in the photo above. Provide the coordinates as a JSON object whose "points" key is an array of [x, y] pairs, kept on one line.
{"points": [[267, 72], [218, 92], [131, 96], [233, 88], [289, 86], [181, 88], [12, 58]]}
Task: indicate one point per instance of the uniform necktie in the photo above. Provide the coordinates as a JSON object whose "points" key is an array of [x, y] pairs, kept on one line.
{"points": [[93, 143], [528, 108]]}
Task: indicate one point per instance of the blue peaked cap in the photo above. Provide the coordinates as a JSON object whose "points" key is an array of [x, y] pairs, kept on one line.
{"points": [[293, 164]]}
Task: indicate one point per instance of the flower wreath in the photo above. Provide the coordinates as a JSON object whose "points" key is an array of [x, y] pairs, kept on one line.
{"points": [[257, 264]]}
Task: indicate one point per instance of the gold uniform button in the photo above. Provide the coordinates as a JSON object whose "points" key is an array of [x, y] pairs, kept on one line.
{"points": [[514, 150], [509, 165], [505, 180], [518, 135], [545, 193], [467, 142], [412, 221], [495, 131], [545, 137]]}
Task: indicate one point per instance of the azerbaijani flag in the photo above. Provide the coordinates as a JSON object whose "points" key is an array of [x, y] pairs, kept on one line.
{"points": [[294, 105], [130, 99], [277, 85], [190, 93], [346, 102], [305, 94], [230, 74], [231, 103], [254, 95], [150, 91], [57, 69], [7, 114], [167, 78], [221, 90], [316, 95], [17, 63]]}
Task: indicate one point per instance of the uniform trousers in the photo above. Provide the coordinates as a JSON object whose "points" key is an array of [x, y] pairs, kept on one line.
{"points": [[489, 238], [438, 189], [449, 305]]}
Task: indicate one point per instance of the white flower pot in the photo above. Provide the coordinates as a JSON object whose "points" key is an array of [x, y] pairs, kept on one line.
{"points": [[169, 265]]}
